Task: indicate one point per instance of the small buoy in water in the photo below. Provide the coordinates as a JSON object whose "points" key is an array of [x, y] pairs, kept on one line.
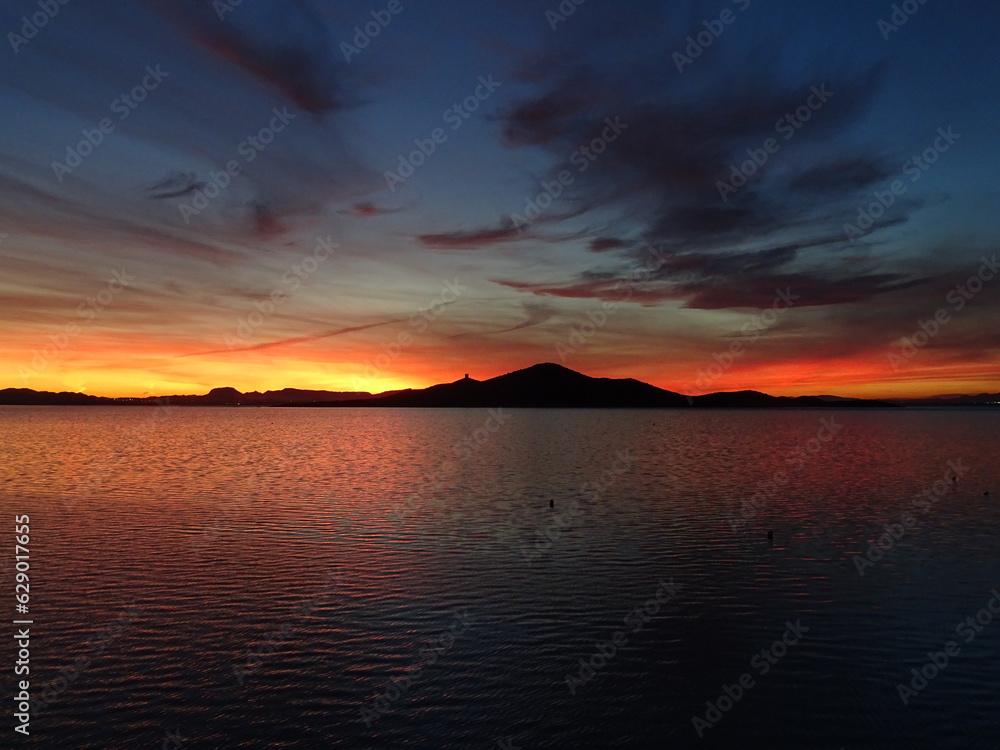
{"points": [[770, 535], [552, 503], [954, 480], [986, 494]]}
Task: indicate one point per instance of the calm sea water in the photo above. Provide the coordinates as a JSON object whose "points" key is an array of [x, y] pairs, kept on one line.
{"points": [[299, 578]]}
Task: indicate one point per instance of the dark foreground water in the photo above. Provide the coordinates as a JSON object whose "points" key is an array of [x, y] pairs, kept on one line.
{"points": [[300, 578]]}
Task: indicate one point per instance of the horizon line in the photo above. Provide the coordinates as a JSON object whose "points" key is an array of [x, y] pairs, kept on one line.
{"points": [[376, 394]]}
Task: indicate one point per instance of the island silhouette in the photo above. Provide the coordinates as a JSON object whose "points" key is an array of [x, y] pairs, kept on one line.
{"points": [[545, 385]]}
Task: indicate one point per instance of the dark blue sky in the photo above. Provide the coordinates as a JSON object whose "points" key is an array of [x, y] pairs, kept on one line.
{"points": [[210, 264]]}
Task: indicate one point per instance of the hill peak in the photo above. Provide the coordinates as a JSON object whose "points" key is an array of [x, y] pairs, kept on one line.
{"points": [[226, 391], [547, 370]]}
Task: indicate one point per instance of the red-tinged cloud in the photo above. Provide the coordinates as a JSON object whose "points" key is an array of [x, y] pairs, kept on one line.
{"points": [[296, 339], [604, 244], [599, 289], [287, 44], [799, 289], [367, 209], [471, 240]]}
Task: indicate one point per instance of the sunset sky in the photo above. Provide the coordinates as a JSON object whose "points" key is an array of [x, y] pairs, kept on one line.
{"points": [[187, 249]]}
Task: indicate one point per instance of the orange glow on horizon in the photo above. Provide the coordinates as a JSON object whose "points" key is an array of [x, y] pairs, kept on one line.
{"points": [[260, 372], [130, 365]]}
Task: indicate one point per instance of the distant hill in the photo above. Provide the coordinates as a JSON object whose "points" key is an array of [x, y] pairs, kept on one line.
{"points": [[540, 386], [554, 386], [983, 399], [545, 385], [754, 399], [284, 397], [215, 397], [28, 397]]}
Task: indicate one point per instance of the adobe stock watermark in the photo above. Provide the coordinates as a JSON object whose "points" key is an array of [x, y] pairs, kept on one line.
{"points": [[98, 475], [419, 322], [798, 458], [100, 642], [901, 15], [364, 34], [564, 519], [429, 496], [637, 619], [87, 311], [456, 115], [958, 298], [172, 740], [787, 127], [495, 420], [291, 280], [426, 496], [562, 12], [230, 513], [698, 43], [582, 158], [762, 662], [278, 637], [923, 502], [249, 149], [968, 630], [123, 106], [31, 25], [223, 7], [609, 477], [427, 656], [463, 449], [580, 335], [753, 329], [913, 168]]}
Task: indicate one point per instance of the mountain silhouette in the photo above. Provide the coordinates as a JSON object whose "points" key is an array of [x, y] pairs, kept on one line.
{"points": [[545, 385], [550, 385], [284, 397], [215, 397], [982, 399], [28, 397]]}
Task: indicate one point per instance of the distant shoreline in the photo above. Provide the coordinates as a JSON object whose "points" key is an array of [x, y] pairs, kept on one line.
{"points": [[541, 386]]}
